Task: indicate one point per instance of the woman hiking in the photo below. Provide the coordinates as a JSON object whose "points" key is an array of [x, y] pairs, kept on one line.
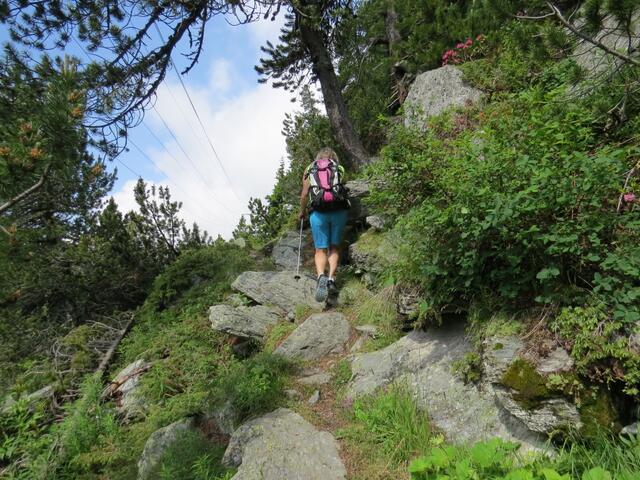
{"points": [[323, 189]]}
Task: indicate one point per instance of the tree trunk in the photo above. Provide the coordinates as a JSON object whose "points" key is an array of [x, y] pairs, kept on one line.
{"points": [[348, 138], [398, 72]]}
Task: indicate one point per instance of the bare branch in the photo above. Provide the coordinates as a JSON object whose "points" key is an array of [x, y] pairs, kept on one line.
{"points": [[586, 38], [36, 186]]}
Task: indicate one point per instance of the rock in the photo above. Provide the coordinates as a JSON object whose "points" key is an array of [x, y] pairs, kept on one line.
{"points": [[368, 330], [358, 190], [373, 252], [630, 429], [156, 446], [546, 415], [283, 446], [45, 393], [422, 361], [248, 322], [634, 341], [239, 242], [316, 379], [292, 394], [358, 344], [126, 389], [315, 398], [435, 91], [224, 418], [408, 303], [278, 289], [285, 251], [237, 300], [376, 222], [557, 361], [498, 353], [320, 334]]}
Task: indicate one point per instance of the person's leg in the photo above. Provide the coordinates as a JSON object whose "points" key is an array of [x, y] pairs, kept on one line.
{"points": [[321, 261], [338, 222], [334, 258]]}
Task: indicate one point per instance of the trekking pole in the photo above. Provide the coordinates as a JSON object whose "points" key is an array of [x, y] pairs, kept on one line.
{"points": [[297, 275]]}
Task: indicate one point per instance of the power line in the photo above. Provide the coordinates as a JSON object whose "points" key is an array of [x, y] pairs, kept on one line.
{"points": [[178, 163], [204, 130], [128, 168], [163, 172]]}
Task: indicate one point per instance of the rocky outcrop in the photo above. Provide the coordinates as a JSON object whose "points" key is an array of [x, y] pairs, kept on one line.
{"points": [[358, 191], [285, 251], [278, 289], [283, 446], [373, 252], [435, 91], [541, 411], [423, 361], [157, 445], [45, 393], [248, 322], [125, 388], [319, 335]]}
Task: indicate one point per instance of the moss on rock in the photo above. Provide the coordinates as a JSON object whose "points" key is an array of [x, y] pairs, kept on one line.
{"points": [[598, 414], [529, 385]]}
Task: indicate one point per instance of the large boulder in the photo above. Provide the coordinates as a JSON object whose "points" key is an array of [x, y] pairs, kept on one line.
{"points": [[278, 289], [374, 251], [435, 91], [358, 191], [248, 322], [44, 394], [157, 445], [283, 446], [285, 251], [320, 334], [423, 361]]}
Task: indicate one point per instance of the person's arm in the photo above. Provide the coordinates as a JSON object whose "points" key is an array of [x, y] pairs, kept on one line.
{"points": [[304, 196]]}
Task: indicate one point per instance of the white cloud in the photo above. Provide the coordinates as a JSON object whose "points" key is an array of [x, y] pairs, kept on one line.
{"points": [[246, 133], [220, 76], [263, 30]]}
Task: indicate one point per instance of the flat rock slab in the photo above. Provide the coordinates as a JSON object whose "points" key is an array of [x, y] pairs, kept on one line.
{"points": [[316, 379], [249, 322], [423, 361], [320, 334], [278, 289], [283, 446], [126, 389]]}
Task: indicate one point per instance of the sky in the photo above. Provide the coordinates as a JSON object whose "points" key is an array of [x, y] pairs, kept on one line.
{"points": [[243, 120]]}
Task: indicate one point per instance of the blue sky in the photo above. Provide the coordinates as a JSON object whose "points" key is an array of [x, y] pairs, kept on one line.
{"points": [[243, 120]]}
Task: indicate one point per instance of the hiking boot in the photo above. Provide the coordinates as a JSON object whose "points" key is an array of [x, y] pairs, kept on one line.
{"points": [[322, 290], [331, 285]]}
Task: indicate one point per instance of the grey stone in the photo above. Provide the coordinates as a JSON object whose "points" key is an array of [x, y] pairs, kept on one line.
{"points": [[557, 361], [45, 393], [278, 289], [498, 353], [285, 251], [373, 252], [376, 222], [630, 429], [368, 330], [358, 344], [225, 418], [358, 191], [157, 445], [239, 242], [130, 402], [283, 446], [435, 91], [634, 341], [549, 415], [315, 398], [422, 361], [408, 303], [320, 334], [316, 379], [237, 300], [292, 394], [248, 322]]}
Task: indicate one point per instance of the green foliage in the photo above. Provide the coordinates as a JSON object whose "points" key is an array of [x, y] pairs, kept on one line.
{"points": [[469, 367], [277, 334], [529, 385], [342, 373], [191, 457], [599, 341], [253, 386]]}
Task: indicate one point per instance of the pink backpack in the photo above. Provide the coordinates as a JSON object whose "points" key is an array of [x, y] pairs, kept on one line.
{"points": [[327, 191]]}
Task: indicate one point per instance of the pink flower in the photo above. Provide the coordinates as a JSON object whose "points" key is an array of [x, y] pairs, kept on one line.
{"points": [[629, 197], [469, 42], [460, 45], [480, 37]]}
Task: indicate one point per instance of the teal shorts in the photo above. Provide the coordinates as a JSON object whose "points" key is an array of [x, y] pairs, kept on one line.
{"points": [[327, 228]]}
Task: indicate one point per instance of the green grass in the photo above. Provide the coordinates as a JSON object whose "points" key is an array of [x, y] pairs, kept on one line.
{"points": [[276, 334]]}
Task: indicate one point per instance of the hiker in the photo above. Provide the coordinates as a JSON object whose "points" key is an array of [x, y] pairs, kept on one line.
{"points": [[322, 183]]}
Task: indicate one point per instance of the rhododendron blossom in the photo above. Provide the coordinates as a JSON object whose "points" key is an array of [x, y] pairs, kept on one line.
{"points": [[629, 197]]}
